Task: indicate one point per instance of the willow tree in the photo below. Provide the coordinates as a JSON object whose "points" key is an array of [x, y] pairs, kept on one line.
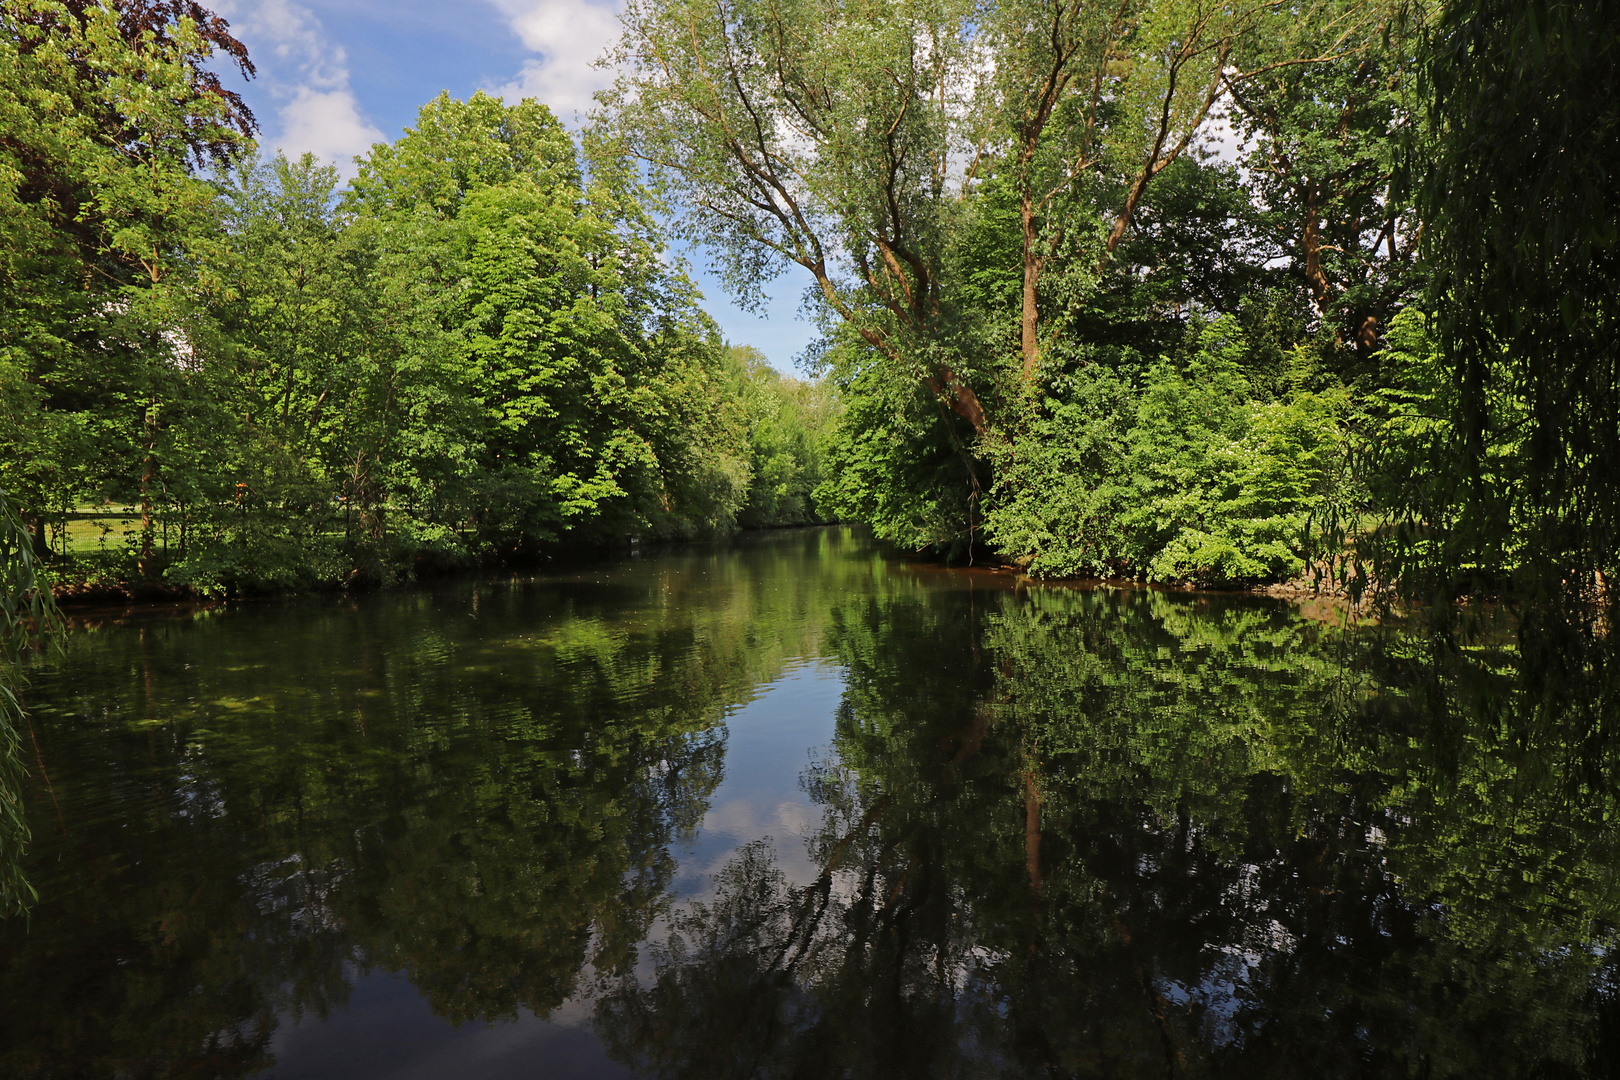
{"points": [[811, 132], [1521, 207], [843, 136], [26, 610]]}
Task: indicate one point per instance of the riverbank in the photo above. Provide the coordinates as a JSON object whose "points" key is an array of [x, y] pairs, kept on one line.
{"points": [[111, 581], [111, 599]]}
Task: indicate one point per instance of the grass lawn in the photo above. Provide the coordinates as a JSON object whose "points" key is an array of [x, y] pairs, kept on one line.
{"points": [[106, 530]]}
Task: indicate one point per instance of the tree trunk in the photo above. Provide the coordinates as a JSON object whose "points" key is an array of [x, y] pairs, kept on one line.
{"points": [[35, 524], [144, 565], [1311, 242], [1029, 324], [1367, 334], [1032, 834], [959, 395]]}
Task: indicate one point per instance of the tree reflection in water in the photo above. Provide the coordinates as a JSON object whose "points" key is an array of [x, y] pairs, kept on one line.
{"points": [[1062, 833], [482, 792], [1106, 835]]}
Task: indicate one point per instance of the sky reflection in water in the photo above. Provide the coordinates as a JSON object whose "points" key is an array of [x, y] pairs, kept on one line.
{"points": [[389, 1031]]}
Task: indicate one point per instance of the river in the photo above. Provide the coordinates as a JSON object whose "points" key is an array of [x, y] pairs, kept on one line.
{"points": [[795, 807]]}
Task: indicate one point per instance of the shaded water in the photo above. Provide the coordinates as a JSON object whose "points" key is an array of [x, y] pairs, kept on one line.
{"points": [[792, 808]]}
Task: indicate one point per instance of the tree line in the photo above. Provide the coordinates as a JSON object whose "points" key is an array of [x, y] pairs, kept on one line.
{"points": [[1157, 289], [479, 349], [1176, 290]]}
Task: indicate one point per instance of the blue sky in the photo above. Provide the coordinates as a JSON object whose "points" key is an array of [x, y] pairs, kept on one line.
{"points": [[337, 76]]}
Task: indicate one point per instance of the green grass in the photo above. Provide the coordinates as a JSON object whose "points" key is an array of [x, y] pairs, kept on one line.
{"points": [[107, 530], [94, 535]]}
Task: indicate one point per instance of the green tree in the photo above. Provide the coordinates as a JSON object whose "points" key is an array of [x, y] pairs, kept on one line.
{"points": [[809, 134], [568, 391], [962, 184], [788, 422], [1325, 158], [1520, 210], [108, 111]]}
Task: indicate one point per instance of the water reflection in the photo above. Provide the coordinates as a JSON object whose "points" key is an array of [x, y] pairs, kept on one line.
{"points": [[1054, 833], [481, 789], [1114, 835]]}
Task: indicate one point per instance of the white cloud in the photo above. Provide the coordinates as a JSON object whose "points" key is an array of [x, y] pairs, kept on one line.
{"points": [[569, 35], [309, 79], [326, 123]]}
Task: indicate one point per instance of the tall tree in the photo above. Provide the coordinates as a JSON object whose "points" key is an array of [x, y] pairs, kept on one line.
{"points": [[1325, 161], [838, 135], [106, 112], [817, 133], [1087, 103], [1521, 208], [553, 397]]}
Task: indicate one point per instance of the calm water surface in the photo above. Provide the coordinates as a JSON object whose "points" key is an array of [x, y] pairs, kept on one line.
{"points": [[792, 808]]}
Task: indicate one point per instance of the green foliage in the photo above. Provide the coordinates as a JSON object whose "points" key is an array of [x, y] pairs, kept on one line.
{"points": [[106, 111], [989, 199], [476, 352], [1326, 160], [1521, 198], [1187, 472], [789, 422], [459, 147], [894, 462], [1061, 329], [1223, 485], [1063, 482], [27, 612]]}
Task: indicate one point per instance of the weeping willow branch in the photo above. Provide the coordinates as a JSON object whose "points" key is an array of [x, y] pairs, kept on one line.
{"points": [[27, 615]]}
